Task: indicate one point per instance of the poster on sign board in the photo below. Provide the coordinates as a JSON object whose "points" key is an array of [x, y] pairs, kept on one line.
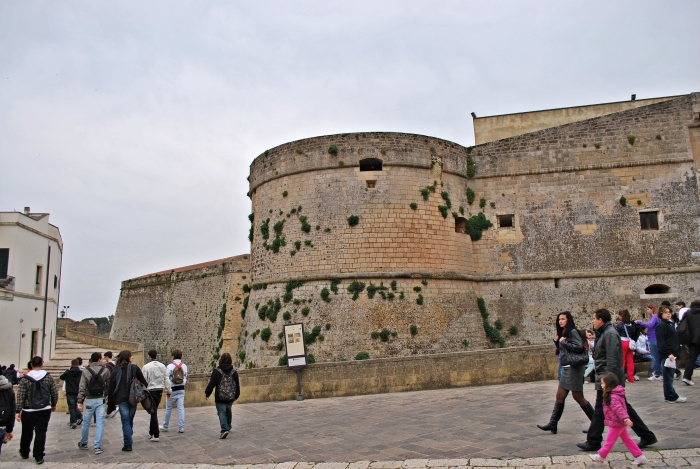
{"points": [[294, 344]]}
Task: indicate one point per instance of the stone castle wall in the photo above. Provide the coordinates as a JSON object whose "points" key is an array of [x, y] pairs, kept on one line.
{"points": [[572, 246], [194, 309]]}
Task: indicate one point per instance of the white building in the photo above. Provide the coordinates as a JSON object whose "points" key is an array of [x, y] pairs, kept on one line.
{"points": [[31, 250]]}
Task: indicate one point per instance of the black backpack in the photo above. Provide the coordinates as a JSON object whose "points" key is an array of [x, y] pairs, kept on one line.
{"points": [[5, 415], [39, 395], [636, 330], [683, 331], [227, 386], [96, 385]]}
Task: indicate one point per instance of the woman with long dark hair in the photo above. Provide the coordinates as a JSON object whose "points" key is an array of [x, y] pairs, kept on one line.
{"points": [[118, 394], [625, 328], [570, 341]]}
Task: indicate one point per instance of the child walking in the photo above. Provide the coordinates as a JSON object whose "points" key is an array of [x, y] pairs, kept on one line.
{"points": [[617, 420]]}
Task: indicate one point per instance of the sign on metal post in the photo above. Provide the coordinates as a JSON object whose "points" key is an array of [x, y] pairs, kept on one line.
{"points": [[296, 351]]}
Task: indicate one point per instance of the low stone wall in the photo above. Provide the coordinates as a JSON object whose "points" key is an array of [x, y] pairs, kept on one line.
{"points": [[334, 379], [115, 346]]}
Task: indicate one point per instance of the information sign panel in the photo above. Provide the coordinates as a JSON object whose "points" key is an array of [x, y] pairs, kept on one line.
{"points": [[294, 344]]}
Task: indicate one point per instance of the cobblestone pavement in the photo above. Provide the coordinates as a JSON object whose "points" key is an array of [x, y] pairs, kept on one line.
{"points": [[413, 429], [664, 458]]}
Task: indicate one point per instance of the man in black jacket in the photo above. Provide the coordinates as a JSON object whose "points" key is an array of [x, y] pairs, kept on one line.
{"points": [[7, 410], [35, 413], [228, 389], [692, 316], [607, 356], [72, 379]]}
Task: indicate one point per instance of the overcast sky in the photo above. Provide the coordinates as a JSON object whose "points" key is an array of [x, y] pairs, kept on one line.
{"points": [[134, 123]]}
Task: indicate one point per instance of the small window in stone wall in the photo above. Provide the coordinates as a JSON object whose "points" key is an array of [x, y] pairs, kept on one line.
{"points": [[649, 220], [371, 164], [505, 221], [460, 225], [371, 184], [657, 289]]}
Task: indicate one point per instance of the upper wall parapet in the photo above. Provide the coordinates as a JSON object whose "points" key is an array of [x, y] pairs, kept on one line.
{"points": [[393, 148], [492, 128], [655, 133], [228, 265]]}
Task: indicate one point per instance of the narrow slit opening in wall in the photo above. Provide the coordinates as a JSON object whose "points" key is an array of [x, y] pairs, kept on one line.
{"points": [[556, 283], [371, 184], [505, 221], [371, 164]]}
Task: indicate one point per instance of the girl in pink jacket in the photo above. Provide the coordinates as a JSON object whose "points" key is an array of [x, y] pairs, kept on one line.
{"points": [[617, 420]]}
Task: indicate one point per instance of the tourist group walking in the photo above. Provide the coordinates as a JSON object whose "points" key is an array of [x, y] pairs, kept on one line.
{"points": [[102, 389], [612, 350], [606, 353]]}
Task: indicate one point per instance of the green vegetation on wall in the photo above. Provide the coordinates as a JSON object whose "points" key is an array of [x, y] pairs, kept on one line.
{"points": [[476, 225], [492, 333], [356, 288]]}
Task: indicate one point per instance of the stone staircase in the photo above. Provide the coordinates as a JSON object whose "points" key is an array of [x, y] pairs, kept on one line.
{"points": [[67, 350]]}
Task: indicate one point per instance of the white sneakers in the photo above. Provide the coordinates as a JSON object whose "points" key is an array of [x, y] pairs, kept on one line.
{"points": [[154, 439], [654, 378], [638, 461], [680, 399], [688, 382]]}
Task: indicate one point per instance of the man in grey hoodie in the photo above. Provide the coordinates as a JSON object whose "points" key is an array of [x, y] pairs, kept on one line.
{"points": [[157, 376], [91, 399]]}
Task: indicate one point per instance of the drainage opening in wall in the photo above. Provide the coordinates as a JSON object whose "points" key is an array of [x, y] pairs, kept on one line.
{"points": [[371, 164], [657, 289], [371, 184], [556, 283], [460, 225]]}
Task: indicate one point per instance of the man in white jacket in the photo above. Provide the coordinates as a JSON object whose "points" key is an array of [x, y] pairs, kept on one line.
{"points": [[156, 375], [177, 371]]}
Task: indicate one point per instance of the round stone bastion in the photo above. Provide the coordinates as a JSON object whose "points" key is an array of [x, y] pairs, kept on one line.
{"points": [[362, 238]]}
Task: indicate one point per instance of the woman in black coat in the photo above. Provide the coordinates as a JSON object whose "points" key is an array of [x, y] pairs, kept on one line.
{"points": [[571, 376], [669, 349]]}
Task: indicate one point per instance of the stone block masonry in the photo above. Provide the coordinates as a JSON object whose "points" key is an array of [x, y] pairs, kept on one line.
{"points": [[382, 243], [560, 237], [194, 308]]}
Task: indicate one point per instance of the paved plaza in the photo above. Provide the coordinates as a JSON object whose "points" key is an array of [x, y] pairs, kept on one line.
{"points": [[476, 426]]}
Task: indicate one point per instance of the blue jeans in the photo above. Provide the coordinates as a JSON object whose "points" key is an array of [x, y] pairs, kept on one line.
{"points": [[126, 412], [177, 397], [669, 391], [97, 408], [223, 409], [559, 370], [655, 365], [75, 414]]}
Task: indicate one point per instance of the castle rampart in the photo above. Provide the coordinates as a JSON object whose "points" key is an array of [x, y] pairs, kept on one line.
{"points": [[398, 244]]}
